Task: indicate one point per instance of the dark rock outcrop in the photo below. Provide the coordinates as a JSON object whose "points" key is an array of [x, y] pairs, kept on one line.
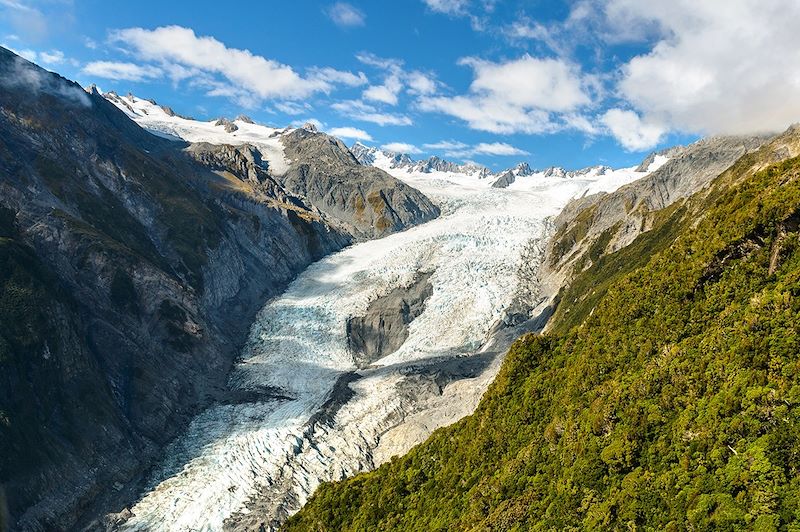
{"points": [[504, 180], [364, 200], [384, 327]]}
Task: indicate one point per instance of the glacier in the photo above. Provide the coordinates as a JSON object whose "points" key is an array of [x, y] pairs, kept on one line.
{"points": [[300, 411]]}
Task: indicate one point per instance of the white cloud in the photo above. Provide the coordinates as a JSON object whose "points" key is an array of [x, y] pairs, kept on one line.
{"points": [[631, 131], [447, 145], [345, 15], [476, 11], [331, 75], [47, 58], [351, 133], [386, 93], [122, 71], [489, 114], [379, 62], [420, 83], [517, 96], [396, 80], [450, 7], [26, 53], [358, 110], [460, 150], [718, 66], [53, 57], [549, 84], [401, 147], [497, 148], [292, 108], [249, 77]]}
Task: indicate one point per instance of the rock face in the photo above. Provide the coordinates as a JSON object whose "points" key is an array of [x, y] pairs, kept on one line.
{"points": [[131, 268], [384, 327], [596, 225], [366, 201], [504, 180], [364, 154], [228, 125]]}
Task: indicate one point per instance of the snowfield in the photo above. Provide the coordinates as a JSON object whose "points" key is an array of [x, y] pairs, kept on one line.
{"points": [[267, 453], [158, 121]]}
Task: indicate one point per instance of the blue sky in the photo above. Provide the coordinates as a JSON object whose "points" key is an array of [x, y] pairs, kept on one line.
{"points": [[569, 83]]}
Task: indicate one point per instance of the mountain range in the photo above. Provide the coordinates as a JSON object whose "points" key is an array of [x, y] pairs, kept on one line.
{"points": [[638, 368]]}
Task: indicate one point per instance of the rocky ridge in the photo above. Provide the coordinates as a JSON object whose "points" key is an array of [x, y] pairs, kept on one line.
{"points": [[594, 226], [133, 265], [367, 156]]}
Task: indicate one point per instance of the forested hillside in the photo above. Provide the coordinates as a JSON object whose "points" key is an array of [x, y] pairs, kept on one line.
{"points": [[665, 396]]}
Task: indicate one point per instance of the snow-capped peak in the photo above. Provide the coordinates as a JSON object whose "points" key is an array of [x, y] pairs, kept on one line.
{"points": [[164, 122], [520, 177]]}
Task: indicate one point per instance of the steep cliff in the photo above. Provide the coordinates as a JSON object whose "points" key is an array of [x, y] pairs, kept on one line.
{"points": [[366, 200], [593, 226]]}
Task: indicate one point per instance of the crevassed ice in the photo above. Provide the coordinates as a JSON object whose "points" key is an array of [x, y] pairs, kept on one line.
{"points": [[298, 346]]}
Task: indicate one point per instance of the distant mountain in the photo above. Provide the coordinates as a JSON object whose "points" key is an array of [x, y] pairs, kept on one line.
{"points": [[366, 202], [388, 160], [371, 156]]}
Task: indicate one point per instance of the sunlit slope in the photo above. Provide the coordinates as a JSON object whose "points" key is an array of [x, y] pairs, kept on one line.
{"points": [[671, 404]]}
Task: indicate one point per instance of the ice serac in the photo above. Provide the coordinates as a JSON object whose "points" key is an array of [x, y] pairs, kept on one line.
{"points": [[136, 263], [366, 200]]}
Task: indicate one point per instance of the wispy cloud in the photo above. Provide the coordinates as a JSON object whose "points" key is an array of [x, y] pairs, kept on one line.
{"points": [[396, 80], [401, 147], [358, 110], [461, 150], [117, 70], [351, 133], [21, 73], [235, 73], [477, 11], [292, 108], [449, 7], [346, 15], [25, 18], [340, 77]]}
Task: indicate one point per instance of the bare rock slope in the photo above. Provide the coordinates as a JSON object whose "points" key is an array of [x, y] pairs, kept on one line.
{"points": [[131, 268]]}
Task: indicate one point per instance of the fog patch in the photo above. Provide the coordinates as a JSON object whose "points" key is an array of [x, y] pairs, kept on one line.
{"points": [[19, 73]]}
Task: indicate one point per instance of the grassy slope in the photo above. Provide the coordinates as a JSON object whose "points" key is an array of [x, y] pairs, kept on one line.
{"points": [[666, 399]]}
